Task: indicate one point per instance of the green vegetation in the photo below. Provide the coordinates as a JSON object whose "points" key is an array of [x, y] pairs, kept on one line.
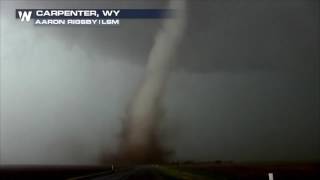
{"points": [[183, 174]]}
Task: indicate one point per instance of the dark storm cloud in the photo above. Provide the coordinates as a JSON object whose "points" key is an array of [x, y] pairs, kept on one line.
{"points": [[221, 35], [243, 116], [250, 35]]}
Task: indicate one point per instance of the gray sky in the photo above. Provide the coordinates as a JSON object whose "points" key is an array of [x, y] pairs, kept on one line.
{"points": [[245, 85]]}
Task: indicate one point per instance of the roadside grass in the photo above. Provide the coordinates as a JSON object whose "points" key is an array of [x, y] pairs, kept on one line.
{"points": [[187, 175]]}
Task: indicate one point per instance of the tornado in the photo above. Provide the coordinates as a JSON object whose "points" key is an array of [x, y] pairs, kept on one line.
{"points": [[140, 137]]}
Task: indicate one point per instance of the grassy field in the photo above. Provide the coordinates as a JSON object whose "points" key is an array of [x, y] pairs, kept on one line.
{"points": [[183, 171], [253, 171]]}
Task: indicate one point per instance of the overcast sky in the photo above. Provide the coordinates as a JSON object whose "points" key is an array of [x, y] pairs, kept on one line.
{"points": [[245, 85]]}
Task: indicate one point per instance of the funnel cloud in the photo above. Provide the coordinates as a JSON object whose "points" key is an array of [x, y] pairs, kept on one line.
{"points": [[140, 141]]}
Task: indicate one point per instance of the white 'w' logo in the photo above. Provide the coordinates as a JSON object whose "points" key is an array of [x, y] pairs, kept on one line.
{"points": [[25, 15]]}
